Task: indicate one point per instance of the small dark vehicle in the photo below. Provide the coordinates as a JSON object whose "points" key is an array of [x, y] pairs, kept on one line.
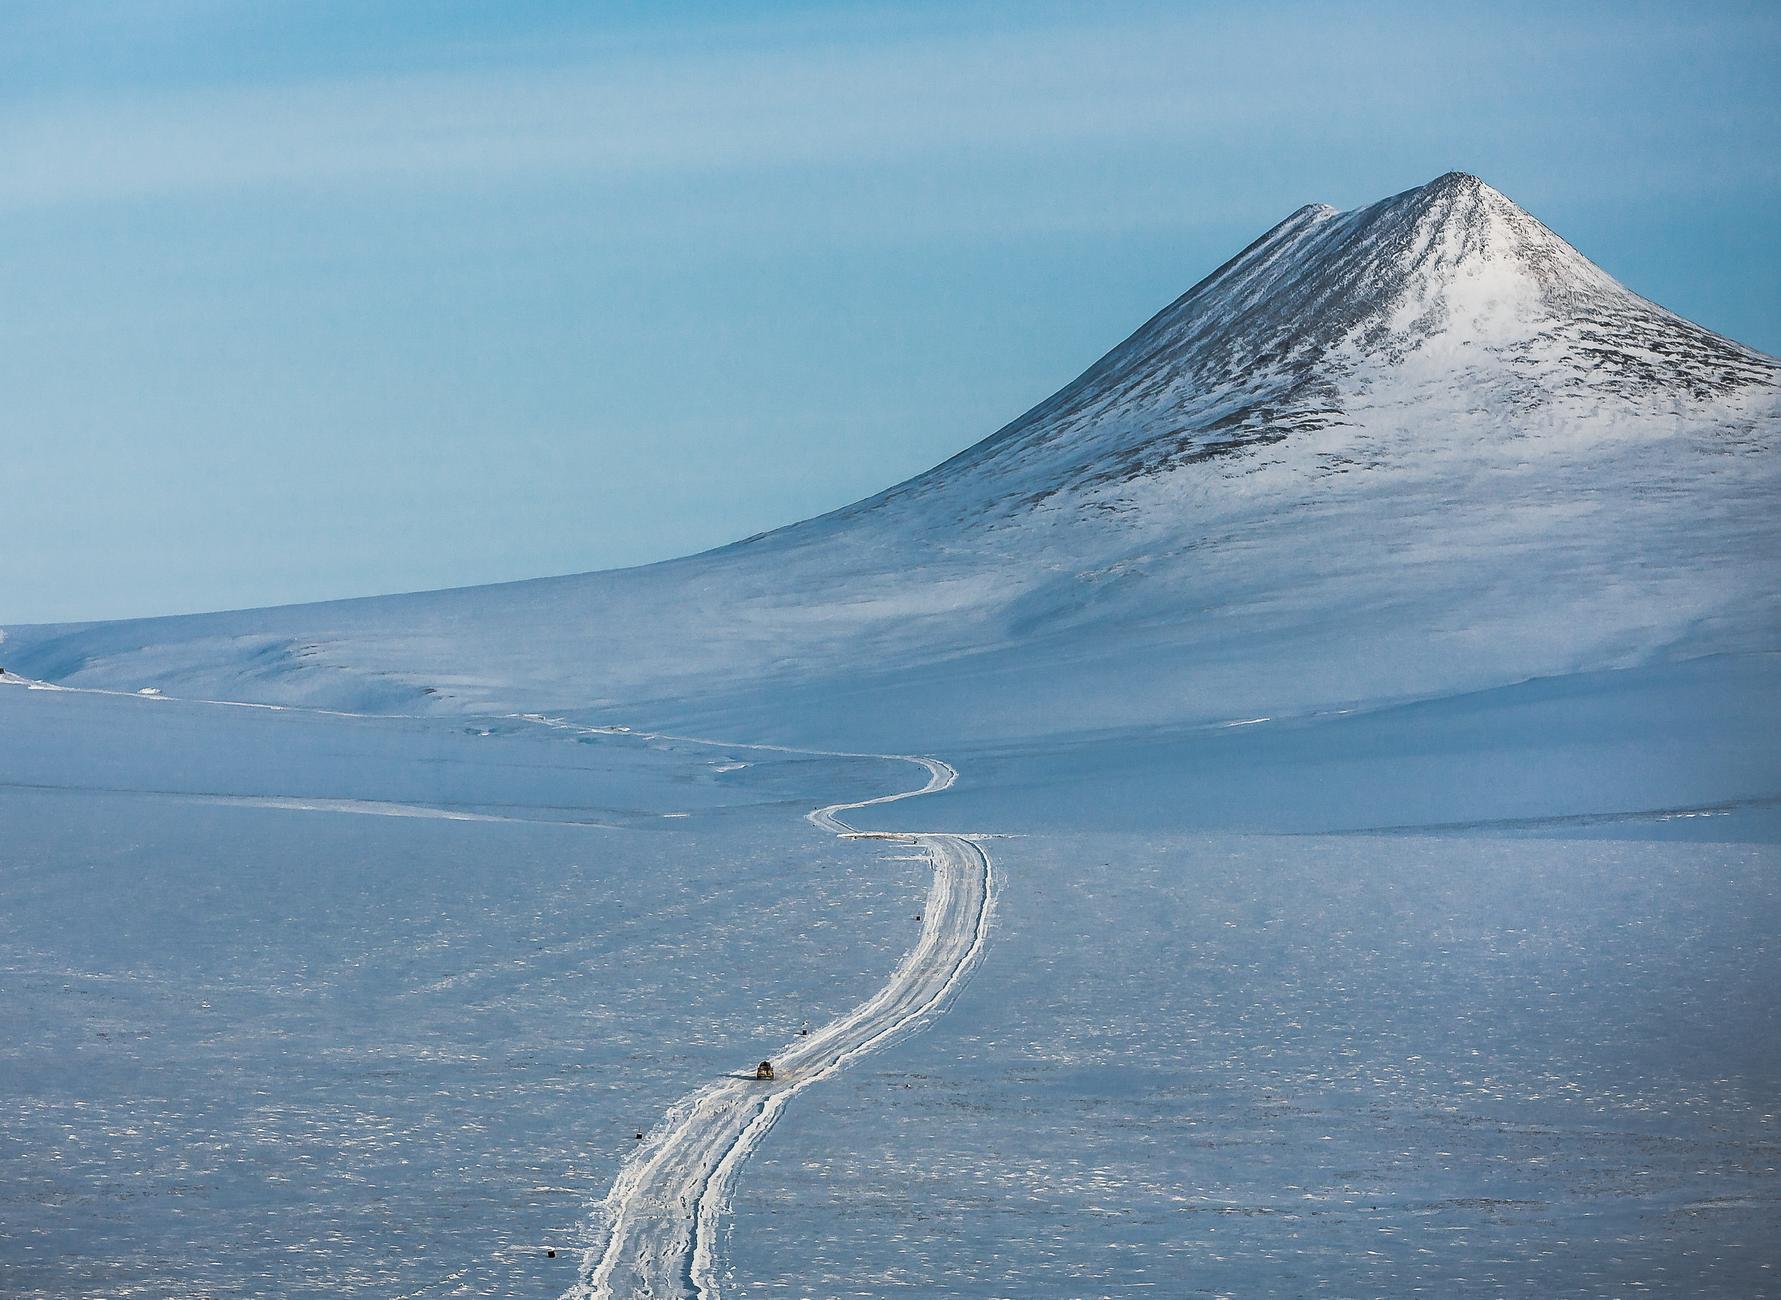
{"points": [[764, 1070]]}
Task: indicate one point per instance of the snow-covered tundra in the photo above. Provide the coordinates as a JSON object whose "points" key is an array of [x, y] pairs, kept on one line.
{"points": [[1368, 672]]}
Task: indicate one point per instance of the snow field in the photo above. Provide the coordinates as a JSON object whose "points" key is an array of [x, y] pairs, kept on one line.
{"points": [[1229, 1065], [269, 1051]]}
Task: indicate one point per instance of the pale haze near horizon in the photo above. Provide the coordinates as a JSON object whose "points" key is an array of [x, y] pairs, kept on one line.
{"points": [[311, 302]]}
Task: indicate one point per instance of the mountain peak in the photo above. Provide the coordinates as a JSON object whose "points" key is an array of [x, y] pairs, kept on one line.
{"points": [[1457, 218], [1457, 183], [1445, 288]]}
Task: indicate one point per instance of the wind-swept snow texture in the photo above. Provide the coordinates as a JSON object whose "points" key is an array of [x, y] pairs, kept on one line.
{"points": [[1290, 1066], [262, 1039], [1421, 447]]}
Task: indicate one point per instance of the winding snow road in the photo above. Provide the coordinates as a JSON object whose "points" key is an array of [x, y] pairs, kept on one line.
{"points": [[668, 1203]]}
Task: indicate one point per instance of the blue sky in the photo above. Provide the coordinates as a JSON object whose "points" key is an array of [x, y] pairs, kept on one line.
{"points": [[318, 299]]}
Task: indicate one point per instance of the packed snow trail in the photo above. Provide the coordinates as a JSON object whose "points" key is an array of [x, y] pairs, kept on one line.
{"points": [[667, 1206]]}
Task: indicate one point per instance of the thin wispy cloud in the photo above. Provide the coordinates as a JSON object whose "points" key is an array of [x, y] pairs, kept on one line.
{"points": [[613, 114], [616, 109]]}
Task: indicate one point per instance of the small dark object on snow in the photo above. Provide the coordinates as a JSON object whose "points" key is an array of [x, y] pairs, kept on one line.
{"points": [[640, 1137], [764, 1070]]}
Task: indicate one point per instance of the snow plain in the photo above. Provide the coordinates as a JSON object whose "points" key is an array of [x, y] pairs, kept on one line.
{"points": [[1288, 1066], [301, 1005]]}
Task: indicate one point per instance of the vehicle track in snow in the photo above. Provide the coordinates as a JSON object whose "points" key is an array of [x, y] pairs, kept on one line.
{"points": [[665, 1212], [668, 1204]]}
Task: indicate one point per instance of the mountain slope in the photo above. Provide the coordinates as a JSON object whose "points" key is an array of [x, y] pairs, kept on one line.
{"points": [[1450, 283], [1419, 447]]}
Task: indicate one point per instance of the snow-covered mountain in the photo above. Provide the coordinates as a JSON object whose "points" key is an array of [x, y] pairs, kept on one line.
{"points": [[1331, 314], [1419, 447]]}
